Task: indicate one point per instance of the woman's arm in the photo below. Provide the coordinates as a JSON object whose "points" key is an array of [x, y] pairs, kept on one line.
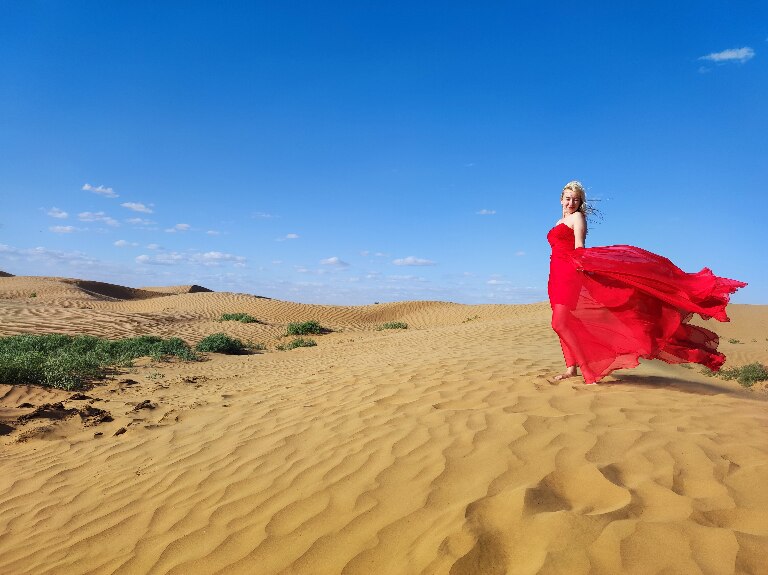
{"points": [[579, 229]]}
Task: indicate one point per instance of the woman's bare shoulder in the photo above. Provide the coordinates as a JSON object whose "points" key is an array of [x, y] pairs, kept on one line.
{"points": [[576, 218]]}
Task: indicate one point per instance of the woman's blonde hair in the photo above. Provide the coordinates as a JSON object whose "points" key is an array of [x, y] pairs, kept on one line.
{"points": [[577, 188]]}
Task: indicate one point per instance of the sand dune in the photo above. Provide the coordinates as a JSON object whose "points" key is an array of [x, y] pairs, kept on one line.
{"points": [[177, 289], [436, 449]]}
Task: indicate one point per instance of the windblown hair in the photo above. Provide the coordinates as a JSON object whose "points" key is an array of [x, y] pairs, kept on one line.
{"points": [[589, 211]]}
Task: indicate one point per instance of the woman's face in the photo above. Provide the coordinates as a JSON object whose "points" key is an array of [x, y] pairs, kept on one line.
{"points": [[571, 202]]}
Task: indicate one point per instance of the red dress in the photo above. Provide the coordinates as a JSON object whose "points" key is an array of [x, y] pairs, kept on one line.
{"points": [[612, 305]]}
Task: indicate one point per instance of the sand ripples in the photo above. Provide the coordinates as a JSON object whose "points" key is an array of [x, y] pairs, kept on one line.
{"points": [[439, 449]]}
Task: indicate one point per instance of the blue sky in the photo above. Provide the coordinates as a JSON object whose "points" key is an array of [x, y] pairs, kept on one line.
{"points": [[354, 152]]}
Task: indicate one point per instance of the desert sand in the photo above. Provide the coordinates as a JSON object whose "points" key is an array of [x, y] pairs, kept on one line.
{"points": [[440, 448]]}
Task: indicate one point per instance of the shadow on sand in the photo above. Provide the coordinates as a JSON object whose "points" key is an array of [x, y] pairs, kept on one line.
{"points": [[716, 387]]}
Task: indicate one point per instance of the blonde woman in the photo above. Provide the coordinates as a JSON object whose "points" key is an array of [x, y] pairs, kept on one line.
{"points": [[615, 304]]}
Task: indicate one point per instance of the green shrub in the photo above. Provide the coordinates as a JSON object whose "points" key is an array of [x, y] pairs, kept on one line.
{"points": [[298, 342], [747, 375], [221, 343], [305, 328], [241, 317], [393, 325], [68, 362], [33, 294]]}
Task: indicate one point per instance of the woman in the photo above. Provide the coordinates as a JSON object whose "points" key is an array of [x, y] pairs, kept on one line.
{"points": [[613, 305]]}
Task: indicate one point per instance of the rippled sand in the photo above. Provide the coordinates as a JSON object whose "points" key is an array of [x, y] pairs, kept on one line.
{"points": [[436, 449]]}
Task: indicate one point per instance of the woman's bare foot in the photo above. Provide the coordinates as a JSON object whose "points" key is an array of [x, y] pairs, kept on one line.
{"points": [[570, 372]]}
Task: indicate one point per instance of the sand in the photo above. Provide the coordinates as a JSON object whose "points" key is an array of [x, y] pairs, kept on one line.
{"points": [[436, 449]]}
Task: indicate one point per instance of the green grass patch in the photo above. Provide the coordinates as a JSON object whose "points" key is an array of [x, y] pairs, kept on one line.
{"points": [[734, 341], [393, 325], [33, 294], [298, 342], [241, 317], [747, 375], [305, 328], [69, 362], [221, 343]]}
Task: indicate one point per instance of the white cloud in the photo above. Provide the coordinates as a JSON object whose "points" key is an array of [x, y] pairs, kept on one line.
{"points": [[97, 217], [288, 237], [334, 261], [168, 259], [62, 229], [413, 261], [41, 254], [139, 221], [263, 216], [404, 278], [101, 190], [153, 246], [519, 253], [125, 244], [731, 55], [57, 213], [497, 282], [206, 259], [179, 228], [213, 233], [216, 257], [137, 207], [486, 212]]}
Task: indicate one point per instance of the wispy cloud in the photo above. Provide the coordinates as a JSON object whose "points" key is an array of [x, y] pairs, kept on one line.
{"points": [[205, 259], [160, 260], [179, 228], [137, 207], [97, 217], [101, 190], [263, 216], [44, 255], [62, 229], [153, 246], [740, 55], [486, 212], [57, 213], [288, 237], [213, 233], [215, 258], [139, 221], [413, 261], [125, 244], [405, 278], [335, 262]]}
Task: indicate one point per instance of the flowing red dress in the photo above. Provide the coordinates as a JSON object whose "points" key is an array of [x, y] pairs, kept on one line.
{"points": [[615, 304]]}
